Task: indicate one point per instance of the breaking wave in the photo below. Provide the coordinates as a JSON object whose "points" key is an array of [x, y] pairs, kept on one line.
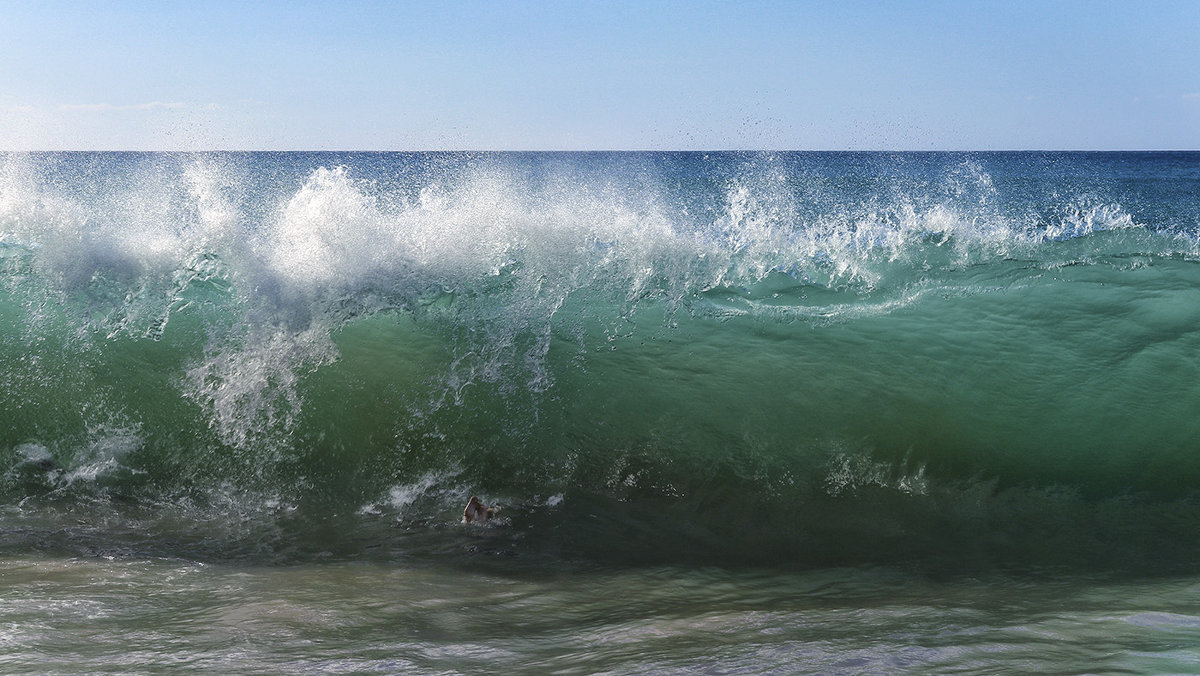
{"points": [[667, 348]]}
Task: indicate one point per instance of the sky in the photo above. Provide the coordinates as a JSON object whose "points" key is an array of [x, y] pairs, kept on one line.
{"points": [[590, 75]]}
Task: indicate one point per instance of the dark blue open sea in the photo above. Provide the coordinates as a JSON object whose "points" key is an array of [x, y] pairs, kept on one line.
{"points": [[741, 412]]}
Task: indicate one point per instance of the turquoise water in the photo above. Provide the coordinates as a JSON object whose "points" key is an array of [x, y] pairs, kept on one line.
{"points": [[740, 411]]}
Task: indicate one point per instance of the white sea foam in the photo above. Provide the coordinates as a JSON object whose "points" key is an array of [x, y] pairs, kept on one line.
{"points": [[850, 472], [440, 486]]}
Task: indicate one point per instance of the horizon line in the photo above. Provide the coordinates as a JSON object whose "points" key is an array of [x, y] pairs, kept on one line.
{"points": [[622, 150]]}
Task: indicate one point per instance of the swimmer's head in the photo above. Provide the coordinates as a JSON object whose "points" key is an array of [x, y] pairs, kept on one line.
{"points": [[477, 511]]}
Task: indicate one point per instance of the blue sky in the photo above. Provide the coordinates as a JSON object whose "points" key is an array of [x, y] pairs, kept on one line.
{"points": [[599, 75]]}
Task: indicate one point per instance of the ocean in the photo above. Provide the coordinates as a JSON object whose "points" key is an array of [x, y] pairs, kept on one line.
{"points": [[740, 412]]}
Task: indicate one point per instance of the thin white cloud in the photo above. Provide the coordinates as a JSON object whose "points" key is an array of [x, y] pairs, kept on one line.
{"points": [[1192, 96], [107, 107], [20, 109]]}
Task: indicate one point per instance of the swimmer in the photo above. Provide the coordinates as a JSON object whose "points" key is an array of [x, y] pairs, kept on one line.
{"points": [[477, 511]]}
